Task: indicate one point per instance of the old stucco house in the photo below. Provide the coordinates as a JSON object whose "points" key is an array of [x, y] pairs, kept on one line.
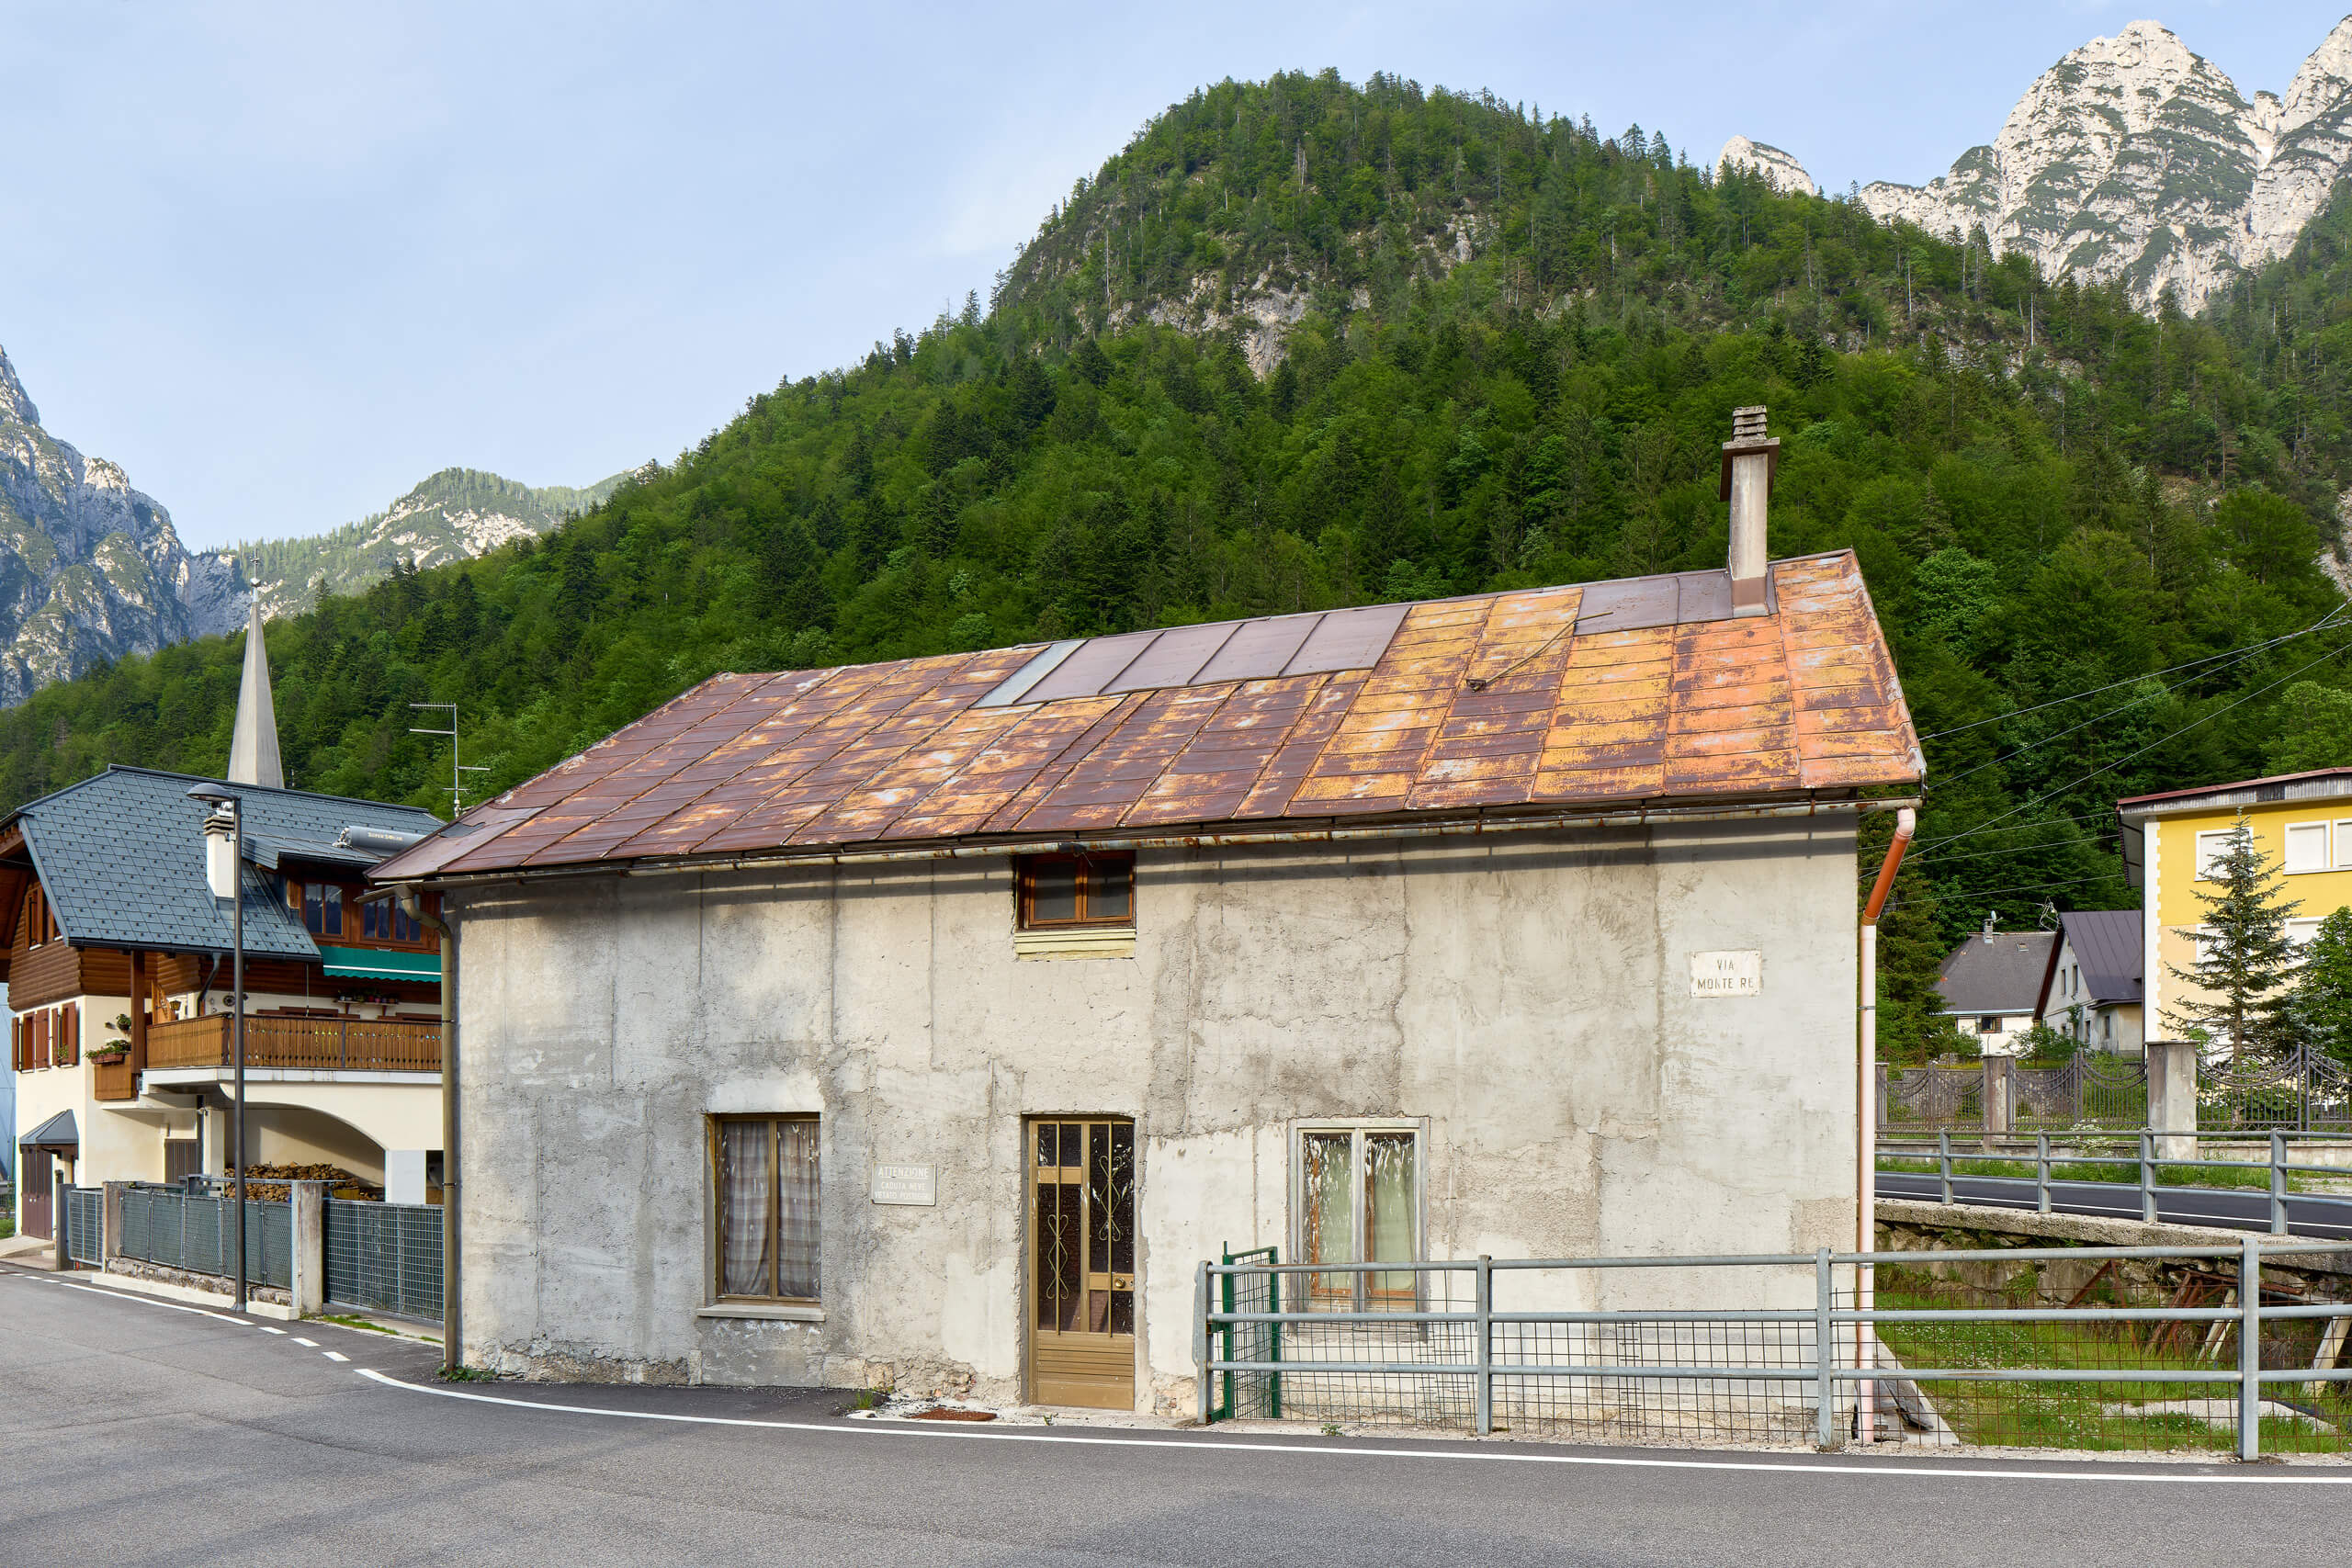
{"points": [[929, 1021]]}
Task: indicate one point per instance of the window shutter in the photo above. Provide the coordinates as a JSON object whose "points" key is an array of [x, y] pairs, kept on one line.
{"points": [[70, 1020], [2307, 846]]}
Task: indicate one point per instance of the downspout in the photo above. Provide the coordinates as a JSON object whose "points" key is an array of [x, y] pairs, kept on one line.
{"points": [[453, 1317], [1906, 822]]}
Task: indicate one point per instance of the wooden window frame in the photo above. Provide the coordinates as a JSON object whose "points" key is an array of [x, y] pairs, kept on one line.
{"points": [[718, 1251], [354, 919], [1357, 1129], [1024, 872]]}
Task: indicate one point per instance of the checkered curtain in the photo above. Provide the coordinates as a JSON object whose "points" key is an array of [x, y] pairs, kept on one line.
{"points": [[746, 1190], [796, 1214]]}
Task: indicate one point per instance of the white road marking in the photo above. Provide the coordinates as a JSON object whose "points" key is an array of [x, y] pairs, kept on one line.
{"points": [[171, 1306], [312, 1344], [336, 1356], [916, 1429], [267, 1330]]}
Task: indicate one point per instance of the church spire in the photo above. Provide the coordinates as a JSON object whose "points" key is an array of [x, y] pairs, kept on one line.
{"points": [[252, 747]]}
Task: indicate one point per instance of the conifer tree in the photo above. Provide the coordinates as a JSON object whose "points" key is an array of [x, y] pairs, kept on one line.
{"points": [[2243, 959], [2324, 989]]}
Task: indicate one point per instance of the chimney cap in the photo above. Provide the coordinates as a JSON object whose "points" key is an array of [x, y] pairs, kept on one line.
{"points": [[1748, 437]]}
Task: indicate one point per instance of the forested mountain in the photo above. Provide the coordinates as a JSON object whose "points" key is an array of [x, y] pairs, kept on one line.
{"points": [[1303, 343], [456, 513]]}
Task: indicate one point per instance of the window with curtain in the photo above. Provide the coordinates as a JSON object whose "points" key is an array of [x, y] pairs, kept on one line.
{"points": [[1359, 1201], [766, 1184]]}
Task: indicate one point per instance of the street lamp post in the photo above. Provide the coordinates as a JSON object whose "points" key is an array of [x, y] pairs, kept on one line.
{"points": [[220, 798]]}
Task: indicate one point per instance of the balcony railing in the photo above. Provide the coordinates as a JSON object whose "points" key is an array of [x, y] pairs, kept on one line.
{"points": [[353, 1044]]}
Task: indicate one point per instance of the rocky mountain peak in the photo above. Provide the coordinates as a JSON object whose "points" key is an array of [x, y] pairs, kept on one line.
{"points": [[2136, 158], [1779, 170], [14, 407]]}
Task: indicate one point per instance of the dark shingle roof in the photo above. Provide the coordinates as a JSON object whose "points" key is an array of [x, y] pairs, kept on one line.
{"points": [[122, 858], [2003, 974], [2107, 944]]}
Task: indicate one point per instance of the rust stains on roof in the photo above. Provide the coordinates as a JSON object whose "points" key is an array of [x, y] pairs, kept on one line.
{"points": [[1603, 693]]}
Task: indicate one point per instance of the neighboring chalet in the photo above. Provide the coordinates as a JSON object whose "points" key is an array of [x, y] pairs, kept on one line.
{"points": [[1990, 985], [115, 920], [928, 1022], [2091, 989]]}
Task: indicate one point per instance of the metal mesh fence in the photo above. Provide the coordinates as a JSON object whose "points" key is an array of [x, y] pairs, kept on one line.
{"points": [[85, 1209], [179, 1230], [2123, 1348], [384, 1257]]}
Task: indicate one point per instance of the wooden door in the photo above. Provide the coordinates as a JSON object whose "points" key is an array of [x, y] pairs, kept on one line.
{"points": [[33, 1168], [1082, 1263]]}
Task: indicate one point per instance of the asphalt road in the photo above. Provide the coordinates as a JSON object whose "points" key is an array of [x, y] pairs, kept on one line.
{"points": [[131, 1433], [2233, 1208]]}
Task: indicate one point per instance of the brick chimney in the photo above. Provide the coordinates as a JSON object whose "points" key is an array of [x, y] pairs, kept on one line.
{"points": [[1749, 457]]}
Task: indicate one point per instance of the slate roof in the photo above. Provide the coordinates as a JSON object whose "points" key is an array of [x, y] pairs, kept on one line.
{"points": [[122, 859], [2000, 975], [2107, 944], [1619, 692]]}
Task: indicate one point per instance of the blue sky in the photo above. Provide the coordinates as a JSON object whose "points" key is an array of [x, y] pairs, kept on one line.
{"points": [[282, 260]]}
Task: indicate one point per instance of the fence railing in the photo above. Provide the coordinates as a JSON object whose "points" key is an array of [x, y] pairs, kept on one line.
{"points": [[2142, 1153], [176, 1229], [318, 1043], [383, 1257], [2304, 1090], [2145, 1348]]}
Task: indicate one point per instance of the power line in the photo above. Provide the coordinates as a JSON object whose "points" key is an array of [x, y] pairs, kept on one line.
{"points": [[2175, 735], [2027, 887], [2318, 625]]}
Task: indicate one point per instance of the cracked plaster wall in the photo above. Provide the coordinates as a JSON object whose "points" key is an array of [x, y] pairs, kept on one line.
{"points": [[1528, 996]]}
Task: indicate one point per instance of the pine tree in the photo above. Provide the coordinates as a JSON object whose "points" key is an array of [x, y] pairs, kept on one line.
{"points": [[2324, 989], [2243, 959]]}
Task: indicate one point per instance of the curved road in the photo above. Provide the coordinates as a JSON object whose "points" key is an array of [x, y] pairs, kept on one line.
{"points": [[136, 1433], [2233, 1208]]}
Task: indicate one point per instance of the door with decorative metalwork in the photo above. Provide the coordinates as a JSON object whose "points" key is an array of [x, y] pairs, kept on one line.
{"points": [[1082, 1263]]}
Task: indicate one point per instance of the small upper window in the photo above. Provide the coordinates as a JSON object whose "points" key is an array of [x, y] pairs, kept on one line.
{"points": [[2211, 848], [1988, 1024], [322, 905], [1077, 890], [2307, 846]]}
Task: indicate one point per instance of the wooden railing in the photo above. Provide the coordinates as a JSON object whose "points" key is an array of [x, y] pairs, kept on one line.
{"points": [[115, 1080], [355, 1045]]}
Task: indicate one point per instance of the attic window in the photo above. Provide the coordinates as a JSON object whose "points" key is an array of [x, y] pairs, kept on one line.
{"points": [[1058, 892], [40, 919]]}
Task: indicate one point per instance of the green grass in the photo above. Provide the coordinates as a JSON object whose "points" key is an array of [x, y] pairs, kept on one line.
{"points": [[8, 1225], [350, 1320], [2088, 1416]]}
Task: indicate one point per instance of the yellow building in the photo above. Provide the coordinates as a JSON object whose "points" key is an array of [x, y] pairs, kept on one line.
{"points": [[2302, 821]]}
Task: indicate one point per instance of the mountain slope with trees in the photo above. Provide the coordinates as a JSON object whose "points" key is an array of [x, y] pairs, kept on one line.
{"points": [[1509, 351]]}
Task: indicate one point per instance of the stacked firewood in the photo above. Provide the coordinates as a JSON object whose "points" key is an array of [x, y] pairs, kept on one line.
{"points": [[268, 1183]]}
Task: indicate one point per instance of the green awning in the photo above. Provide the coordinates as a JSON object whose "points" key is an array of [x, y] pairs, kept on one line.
{"points": [[380, 963]]}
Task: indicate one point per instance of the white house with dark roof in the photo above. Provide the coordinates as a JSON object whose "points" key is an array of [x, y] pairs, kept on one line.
{"points": [[1990, 985], [115, 946], [2092, 986]]}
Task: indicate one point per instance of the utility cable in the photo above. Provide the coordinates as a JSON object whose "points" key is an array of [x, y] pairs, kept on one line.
{"points": [[2162, 739], [2318, 625]]}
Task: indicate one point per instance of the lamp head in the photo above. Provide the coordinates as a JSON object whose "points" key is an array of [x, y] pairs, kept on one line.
{"points": [[214, 793]]}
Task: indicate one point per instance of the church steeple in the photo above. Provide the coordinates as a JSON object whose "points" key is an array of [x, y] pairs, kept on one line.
{"points": [[253, 748]]}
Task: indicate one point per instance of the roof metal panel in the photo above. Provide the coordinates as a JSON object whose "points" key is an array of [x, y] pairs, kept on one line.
{"points": [[1347, 639], [1612, 692], [1091, 668]]}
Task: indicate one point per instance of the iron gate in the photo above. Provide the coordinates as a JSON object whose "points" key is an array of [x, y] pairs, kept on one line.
{"points": [[2091, 1088], [2304, 1091], [179, 1230]]}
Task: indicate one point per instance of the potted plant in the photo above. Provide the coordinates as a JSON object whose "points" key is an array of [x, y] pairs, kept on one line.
{"points": [[113, 1051]]}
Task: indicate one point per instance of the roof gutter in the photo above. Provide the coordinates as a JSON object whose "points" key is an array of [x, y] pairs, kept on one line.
{"points": [[1461, 827]]}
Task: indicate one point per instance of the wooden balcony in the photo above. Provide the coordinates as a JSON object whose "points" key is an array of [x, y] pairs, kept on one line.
{"points": [[319, 1044], [115, 1080]]}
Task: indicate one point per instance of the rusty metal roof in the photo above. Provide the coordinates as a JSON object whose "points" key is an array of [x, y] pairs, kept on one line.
{"points": [[1611, 692]]}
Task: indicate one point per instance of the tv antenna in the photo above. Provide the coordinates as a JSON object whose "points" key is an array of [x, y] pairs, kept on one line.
{"points": [[457, 771]]}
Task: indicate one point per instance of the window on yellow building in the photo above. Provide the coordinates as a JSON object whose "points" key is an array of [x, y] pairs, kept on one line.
{"points": [[2211, 848], [2307, 846]]}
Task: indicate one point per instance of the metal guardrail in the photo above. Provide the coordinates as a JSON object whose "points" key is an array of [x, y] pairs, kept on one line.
{"points": [[1776, 1368], [383, 1257], [2143, 1154]]}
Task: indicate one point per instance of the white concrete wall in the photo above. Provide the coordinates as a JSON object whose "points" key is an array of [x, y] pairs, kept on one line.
{"points": [[1529, 996]]}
